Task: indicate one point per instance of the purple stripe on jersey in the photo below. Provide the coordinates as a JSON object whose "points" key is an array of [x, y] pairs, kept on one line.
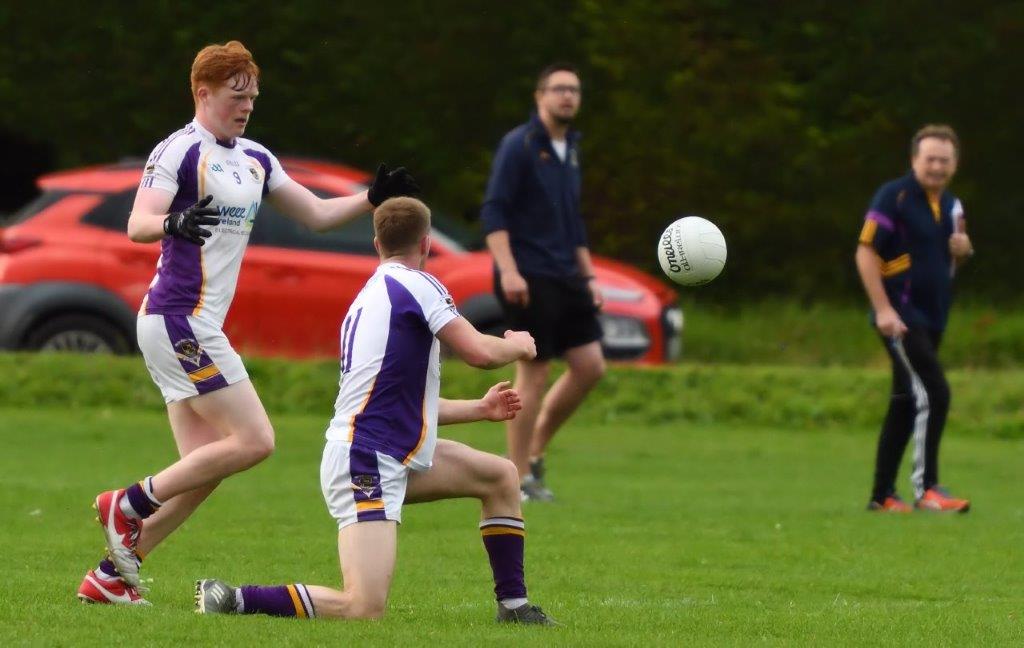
{"points": [[393, 417], [188, 130], [181, 270], [365, 474], [264, 161], [352, 338], [344, 342], [883, 221], [434, 282], [190, 354]]}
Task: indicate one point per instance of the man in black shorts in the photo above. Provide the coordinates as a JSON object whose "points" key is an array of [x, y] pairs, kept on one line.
{"points": [[543, 275]]}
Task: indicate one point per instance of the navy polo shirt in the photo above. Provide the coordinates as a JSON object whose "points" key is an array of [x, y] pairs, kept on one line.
{"points": [[911, 235], [535, 196]]}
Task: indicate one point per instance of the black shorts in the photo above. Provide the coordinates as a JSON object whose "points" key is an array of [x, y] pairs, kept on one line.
{"points": [[560, 316]]}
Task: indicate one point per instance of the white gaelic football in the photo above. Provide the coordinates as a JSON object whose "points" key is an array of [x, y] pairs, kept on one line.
{"points": [[692, 251]]}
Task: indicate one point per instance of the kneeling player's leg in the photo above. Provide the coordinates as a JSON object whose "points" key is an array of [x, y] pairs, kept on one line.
{"points": [[367, 553], [461, 471]]}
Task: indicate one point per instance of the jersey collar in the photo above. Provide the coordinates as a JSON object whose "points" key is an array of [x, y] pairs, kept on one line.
{"points": [[207, 135]]}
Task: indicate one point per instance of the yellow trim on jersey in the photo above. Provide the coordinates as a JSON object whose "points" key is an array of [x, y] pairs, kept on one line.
{"points": [[896, 266], [867, 233], [489, 531], [199, 375], [299, 610], [352, 421], [202, 265], [372, 505], [934, 204], [423, 435]]}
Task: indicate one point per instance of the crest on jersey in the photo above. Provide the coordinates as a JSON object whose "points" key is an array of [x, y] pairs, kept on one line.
{"points": [[188, 350], [544, 156], [573, 159], [366, 483], [255, 174]]}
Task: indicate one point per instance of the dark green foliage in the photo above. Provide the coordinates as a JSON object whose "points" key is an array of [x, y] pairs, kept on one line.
{"points": [[776, 120]]}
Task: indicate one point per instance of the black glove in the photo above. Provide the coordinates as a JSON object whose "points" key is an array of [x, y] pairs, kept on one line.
{"points": [[187, 224], [389, 184]]}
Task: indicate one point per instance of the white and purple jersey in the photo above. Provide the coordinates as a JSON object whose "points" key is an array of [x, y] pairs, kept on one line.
{"points": [[191, 164], [390, 365]]}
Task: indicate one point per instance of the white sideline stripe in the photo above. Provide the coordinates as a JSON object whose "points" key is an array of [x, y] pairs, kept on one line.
{"points": [[923, 408]]}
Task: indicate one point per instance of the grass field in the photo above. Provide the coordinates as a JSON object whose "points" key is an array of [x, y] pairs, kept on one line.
{"points": [[665, 534]]}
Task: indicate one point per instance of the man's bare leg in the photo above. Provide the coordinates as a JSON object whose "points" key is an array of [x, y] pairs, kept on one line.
{"points": [[531, 380], [586, 367]]}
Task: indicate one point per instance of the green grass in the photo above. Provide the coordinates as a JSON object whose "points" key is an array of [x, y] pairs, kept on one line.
{"points": [[827, 334], [666, 533], [985, 402]]}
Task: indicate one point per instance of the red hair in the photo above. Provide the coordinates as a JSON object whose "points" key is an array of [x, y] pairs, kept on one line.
{"points": [[215, 65]]}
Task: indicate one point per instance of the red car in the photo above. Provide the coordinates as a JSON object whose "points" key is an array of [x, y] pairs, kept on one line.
{"points": [[71, 280]]}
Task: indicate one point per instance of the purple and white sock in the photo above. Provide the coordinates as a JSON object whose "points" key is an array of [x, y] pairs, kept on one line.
{"points": [[505, 541], [276, 600], [139, 501]]}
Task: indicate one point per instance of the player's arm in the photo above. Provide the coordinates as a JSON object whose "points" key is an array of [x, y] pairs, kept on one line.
{"points": [[323, 214], [496, 211], [150, 220], [318, 214], [587, 270], [500, 403], [486, 351], [869, 266]]}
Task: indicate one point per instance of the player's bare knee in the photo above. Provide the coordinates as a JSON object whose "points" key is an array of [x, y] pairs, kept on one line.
{"points": [[506, 477], [367, 607]]}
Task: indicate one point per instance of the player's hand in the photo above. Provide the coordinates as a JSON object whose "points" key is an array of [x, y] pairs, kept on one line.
{"points": [[889, 323], [388, 184], [527, 345], [514, 287], [189, 223], [595, 293], [960, 246], [500, 403]]}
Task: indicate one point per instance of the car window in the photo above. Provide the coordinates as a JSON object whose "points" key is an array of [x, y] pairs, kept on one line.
{"points": [[274, 229], [33, 207], [113, 212]]}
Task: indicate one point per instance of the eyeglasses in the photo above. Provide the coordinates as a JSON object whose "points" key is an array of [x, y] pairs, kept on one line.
{"points": [[564, 89]]}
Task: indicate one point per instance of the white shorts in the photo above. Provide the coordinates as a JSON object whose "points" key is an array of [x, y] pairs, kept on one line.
{"points": [[362, 485], [187, 356]]}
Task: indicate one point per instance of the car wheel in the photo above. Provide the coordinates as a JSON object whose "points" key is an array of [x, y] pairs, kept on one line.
{"points": [[77, 334]]}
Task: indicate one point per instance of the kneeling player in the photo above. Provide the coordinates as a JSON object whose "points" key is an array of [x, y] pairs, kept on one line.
{"points": [[382, 447]]}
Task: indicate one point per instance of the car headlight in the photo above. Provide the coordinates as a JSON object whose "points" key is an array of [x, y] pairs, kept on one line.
{"points": [[624, 333]]}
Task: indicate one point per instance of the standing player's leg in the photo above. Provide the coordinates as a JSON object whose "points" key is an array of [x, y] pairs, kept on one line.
{"points": [[530, 381], [585, 368], [920, 350], [248, 438], [460, 471], [895, 433], [104, 584], [191, 432]]}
